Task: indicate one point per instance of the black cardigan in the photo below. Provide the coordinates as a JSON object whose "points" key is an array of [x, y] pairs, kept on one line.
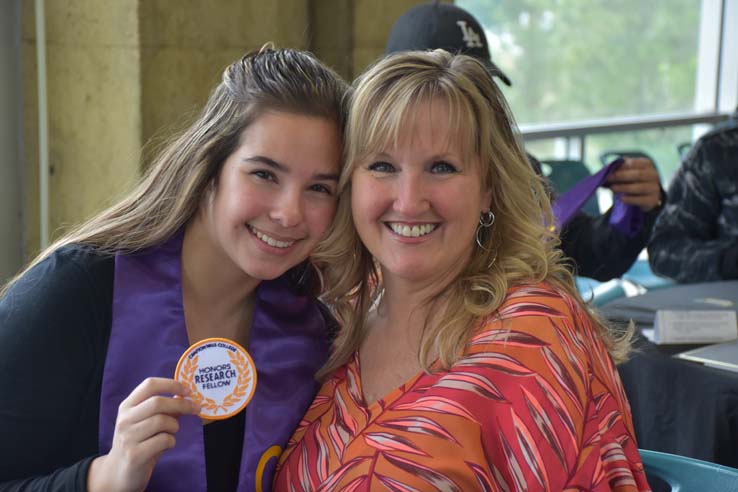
{"points": [[54, 328]]}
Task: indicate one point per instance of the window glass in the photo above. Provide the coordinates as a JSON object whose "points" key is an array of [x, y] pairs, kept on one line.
{"points": [[545, 148], [574, 60], [660, 144]]}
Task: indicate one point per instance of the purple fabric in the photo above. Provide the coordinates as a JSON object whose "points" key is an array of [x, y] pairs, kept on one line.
{"points": [[288, 345], [148, 335], [628, 219]]}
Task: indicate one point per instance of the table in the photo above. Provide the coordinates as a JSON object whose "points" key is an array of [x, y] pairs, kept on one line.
{"points": [[682, 407], [678, 406]]}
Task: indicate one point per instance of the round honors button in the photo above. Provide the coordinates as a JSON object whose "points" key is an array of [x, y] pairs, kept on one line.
{"points": [[221, 377]]}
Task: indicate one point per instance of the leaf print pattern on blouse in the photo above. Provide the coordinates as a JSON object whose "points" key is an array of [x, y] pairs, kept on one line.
{"points": [[535, 403]]}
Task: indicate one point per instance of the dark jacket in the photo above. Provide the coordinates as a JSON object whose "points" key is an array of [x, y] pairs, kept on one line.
{"points": [[696, 237], [598, 250]]}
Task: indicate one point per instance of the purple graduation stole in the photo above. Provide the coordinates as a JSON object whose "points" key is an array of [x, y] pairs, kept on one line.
{"points": [[288, 344], [627, 219]]}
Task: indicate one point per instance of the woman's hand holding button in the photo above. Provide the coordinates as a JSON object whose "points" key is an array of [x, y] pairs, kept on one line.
{"points": [[145, 428]]}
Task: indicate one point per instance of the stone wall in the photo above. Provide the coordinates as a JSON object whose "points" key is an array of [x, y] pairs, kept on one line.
{"points": [[122, 74], [94, 95]]}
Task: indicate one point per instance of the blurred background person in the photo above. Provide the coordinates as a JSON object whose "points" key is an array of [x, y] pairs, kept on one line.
{"points": [[696, 236]]}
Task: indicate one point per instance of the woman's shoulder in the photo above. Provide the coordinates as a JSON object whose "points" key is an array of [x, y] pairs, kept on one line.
{"points": [[80, 257], [534, 315], [540, 299], [83, 256], [73, 264], [72, 273]]}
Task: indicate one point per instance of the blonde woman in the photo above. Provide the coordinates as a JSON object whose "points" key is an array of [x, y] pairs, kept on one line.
{"points": [[212, 243], [466, 361]]}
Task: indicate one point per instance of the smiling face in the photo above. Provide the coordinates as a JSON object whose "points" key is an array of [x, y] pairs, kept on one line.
{"points": [[416, 205], [275, 195]]}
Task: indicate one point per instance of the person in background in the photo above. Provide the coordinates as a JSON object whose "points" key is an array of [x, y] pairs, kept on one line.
{"points": [[696, 236], [213, 242], [596, 248], [466, 360]]}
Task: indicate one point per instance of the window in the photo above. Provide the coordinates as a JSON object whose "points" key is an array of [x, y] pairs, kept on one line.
{"points": [[583, 59], [617, 62]]}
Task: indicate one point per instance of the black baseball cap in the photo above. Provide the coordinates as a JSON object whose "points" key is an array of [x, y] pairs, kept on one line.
{"points": [[437, 25]]}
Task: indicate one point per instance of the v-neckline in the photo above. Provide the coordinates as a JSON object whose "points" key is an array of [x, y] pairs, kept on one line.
{"points": [[377, 406]]}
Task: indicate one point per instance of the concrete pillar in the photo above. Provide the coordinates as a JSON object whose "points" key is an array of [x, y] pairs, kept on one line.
{"points": [[10, 140], [332, 34], [373, 21], [124, 72], [93, 74], [185, 45]]}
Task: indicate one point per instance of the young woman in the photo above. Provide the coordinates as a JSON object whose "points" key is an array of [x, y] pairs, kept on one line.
{"points": [[466, 361], [214, 242]]}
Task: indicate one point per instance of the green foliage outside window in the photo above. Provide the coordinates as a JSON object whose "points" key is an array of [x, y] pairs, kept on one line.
{"points": [[572, 60]]}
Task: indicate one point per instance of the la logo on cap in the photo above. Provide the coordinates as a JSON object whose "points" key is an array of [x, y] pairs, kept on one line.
{"points": [[220, 375], [471, 38]]}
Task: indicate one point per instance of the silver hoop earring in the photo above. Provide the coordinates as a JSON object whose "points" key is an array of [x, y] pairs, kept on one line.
{"points": [[486, 219]]}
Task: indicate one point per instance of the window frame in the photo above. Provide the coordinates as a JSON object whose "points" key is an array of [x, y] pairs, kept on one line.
{"points": [[715, 100]]}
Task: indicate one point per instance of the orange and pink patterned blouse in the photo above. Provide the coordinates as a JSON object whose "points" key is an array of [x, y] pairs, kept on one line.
{"points": [[534, 404]]}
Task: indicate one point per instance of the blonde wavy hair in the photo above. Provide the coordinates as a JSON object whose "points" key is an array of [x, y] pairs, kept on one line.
{"points": [[174, 185], [520, 247]]}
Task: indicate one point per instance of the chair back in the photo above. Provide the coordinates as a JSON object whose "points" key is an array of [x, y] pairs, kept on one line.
{"points": [[640, 273], [610, 155], [683, 149], [688, 474], [607, 292], [565, 173]]}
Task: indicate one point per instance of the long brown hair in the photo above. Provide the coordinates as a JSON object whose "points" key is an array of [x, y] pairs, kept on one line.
{"points": [[520, 248], [171, 190]]}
